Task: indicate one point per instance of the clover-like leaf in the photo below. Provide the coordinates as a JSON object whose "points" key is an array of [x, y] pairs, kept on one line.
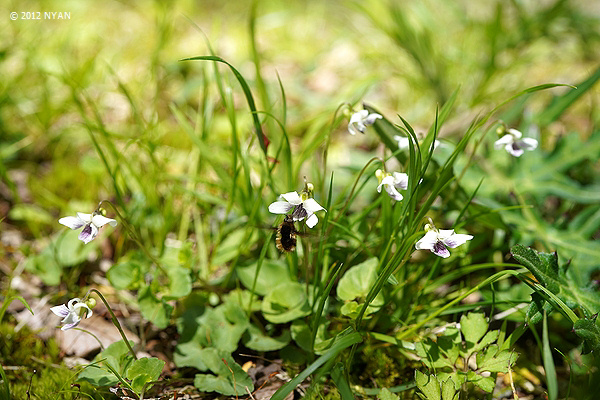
{"points": [[473, 326], [254, 339], [154, 310], [428, 385], [285, 303], [144, 370], [229, 379]]}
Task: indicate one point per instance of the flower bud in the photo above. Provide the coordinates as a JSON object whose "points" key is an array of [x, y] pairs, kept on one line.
{"points": [[90, 302]]}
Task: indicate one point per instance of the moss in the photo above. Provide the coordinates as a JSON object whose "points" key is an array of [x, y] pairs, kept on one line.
{"points": [[34, 365]]}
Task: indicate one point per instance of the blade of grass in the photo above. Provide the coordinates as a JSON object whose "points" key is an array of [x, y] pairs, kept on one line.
{"points": [[346, 339], [551, 378], [247, 93]]}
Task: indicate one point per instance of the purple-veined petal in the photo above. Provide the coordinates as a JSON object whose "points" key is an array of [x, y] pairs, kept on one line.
{"points": [[280, 207], [312, 206], [72, 222], [101, 220], [514, 149], [371, 118], [62, 310], [88, 233], [427, 242], [312, 220], [299, 213], [528, 143], [70, 325], [503, 141], [457, 240], [292, 197], [401, 180], [439, 249], [515, 133], [393, 193]]}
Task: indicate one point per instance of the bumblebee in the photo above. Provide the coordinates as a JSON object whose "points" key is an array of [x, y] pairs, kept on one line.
{"points": [[285, 240]]}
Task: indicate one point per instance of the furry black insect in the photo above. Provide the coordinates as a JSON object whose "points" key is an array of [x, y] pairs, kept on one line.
{"points": [[286, 235]]}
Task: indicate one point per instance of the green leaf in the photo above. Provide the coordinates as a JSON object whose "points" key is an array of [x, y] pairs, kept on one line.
{"points": [[473, 326], [69, 250], [486, 383], [562, 103], [216, 330], [356, 284], [45, 266], [428, 385], [229, 379], [180, 282], [537, 307], [285, 303], [431, 355], [493, 361], [144, 370], [339, 378], [229, 248], [254, 339], [117, 356], [30, 213], [189, 354], [272, 274], [385, 394], [154, 310], [449, 392], [124, 274], [545, 268], [588, 330]]}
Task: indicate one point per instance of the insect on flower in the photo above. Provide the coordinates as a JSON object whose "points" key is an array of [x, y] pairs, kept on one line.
{"points": [[285, 240]]}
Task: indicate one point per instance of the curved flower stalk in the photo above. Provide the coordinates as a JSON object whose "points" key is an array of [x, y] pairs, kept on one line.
{"points": [[302, 206], [438, 241], [392, 182], [72, 313], [360, 120], [91, 224], [514, 144]]}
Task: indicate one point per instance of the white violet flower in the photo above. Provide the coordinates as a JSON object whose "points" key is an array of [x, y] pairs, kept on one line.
{"points": [[404, 141], [513, 143], [392, 183], [438, 241], [91, 224], [360, 120], [303, 207], [72, 313]]}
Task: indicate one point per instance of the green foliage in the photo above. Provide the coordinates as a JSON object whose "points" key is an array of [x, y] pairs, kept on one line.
{"points": [[286, 302], [451, 357], [229, 378], [154, 309], [556, 281], [115, 363], [355, 284]]}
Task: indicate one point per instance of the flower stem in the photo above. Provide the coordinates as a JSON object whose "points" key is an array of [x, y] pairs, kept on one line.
{"points": [[114, 319], [134, 236]]}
